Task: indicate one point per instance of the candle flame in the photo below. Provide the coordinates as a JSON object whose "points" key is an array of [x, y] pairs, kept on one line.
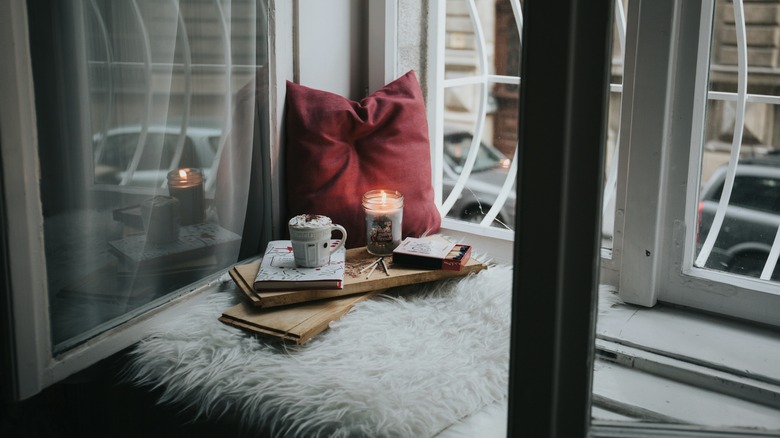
{"points": [[183, 173], [384, 197]]}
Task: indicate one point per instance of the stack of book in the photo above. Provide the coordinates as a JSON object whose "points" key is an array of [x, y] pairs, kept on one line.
{"points": [[197, 246], [294, 304], [278, 271]]}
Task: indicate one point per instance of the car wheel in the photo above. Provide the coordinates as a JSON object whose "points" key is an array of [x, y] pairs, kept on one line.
{"points": [[475, 213], [750, 264]]}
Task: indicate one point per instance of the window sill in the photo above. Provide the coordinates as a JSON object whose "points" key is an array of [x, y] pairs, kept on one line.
{"points": [[495, 242], [677, 366]]}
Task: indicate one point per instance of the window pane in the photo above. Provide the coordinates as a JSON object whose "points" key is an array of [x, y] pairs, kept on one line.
{"points": [[684, 351], [738, 206], [613, 123], [481, 100], [143, 190]]}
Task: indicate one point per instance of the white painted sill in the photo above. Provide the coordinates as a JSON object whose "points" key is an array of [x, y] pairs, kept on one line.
{"points": [[494, 244], [672, 365]]}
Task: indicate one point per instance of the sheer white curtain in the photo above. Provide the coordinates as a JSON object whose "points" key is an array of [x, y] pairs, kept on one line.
{"points": [[152, 121]]}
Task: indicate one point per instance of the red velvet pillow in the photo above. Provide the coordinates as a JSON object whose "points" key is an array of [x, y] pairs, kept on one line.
{"points": [[337, 149]]}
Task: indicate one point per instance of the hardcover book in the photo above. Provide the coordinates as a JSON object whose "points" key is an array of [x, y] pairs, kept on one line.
{"points": [[428, 248], [195, 243], [279, 272]]}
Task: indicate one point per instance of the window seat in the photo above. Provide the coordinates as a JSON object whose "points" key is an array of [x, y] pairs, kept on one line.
{"points": [[659, 365], [409, 363]]}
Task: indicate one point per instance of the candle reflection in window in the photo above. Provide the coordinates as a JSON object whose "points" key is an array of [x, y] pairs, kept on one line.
{"points": [[186, 185]]}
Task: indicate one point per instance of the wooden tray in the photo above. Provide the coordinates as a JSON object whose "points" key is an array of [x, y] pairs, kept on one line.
{"points": [[297, 323], [306, 313], [355, 281]]}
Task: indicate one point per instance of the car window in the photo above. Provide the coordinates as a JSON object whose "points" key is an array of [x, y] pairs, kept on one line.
{"points": [[118, 151], [756, 192], [158, 152], [456, 150]]}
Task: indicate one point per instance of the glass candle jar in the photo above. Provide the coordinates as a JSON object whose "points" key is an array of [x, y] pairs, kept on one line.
{"points": [[384, 213], [186, 185]]}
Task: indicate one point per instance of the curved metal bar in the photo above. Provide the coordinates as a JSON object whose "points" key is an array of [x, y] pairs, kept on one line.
{"points": [[480, 126], [212, 177], [139, 149], [511, 176], [517, 10], [506, 189], [771, 260], [720, 214], [110, 82], [185, 120]]}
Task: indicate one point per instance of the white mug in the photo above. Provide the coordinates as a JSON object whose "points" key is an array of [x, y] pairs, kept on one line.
{"points": [[310, 237]]}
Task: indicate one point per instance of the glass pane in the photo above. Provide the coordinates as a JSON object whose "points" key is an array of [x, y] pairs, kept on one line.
{"points": [[481, 98], [613, 123], [687, 371], [737, 230], [143, 190], [460, 41]]}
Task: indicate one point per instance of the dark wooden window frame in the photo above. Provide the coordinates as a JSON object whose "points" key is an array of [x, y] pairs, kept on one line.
{"points": [[563, 103]]}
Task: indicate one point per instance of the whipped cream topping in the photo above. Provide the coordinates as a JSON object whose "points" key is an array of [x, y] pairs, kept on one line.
{"points": [[310, 221]]}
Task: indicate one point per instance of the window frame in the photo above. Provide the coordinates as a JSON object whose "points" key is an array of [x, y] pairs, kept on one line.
{"points": [[563, 112], [495, 242], [383, 20], [436, 112], [664, 105], [33, 365]]}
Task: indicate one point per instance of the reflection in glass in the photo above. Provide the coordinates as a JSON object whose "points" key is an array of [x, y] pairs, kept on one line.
{"points": [[129, 92]]}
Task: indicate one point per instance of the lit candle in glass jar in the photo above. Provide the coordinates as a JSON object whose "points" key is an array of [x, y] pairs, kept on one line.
{"points": [[384, 213], [186, 185]]}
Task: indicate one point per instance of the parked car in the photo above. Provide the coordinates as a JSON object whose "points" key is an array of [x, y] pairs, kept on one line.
{"points": [[113, 159], [483, 185], [752, 216]]}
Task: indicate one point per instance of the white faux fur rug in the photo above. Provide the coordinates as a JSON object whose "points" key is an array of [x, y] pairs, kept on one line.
{"points": [[407, 365]]}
